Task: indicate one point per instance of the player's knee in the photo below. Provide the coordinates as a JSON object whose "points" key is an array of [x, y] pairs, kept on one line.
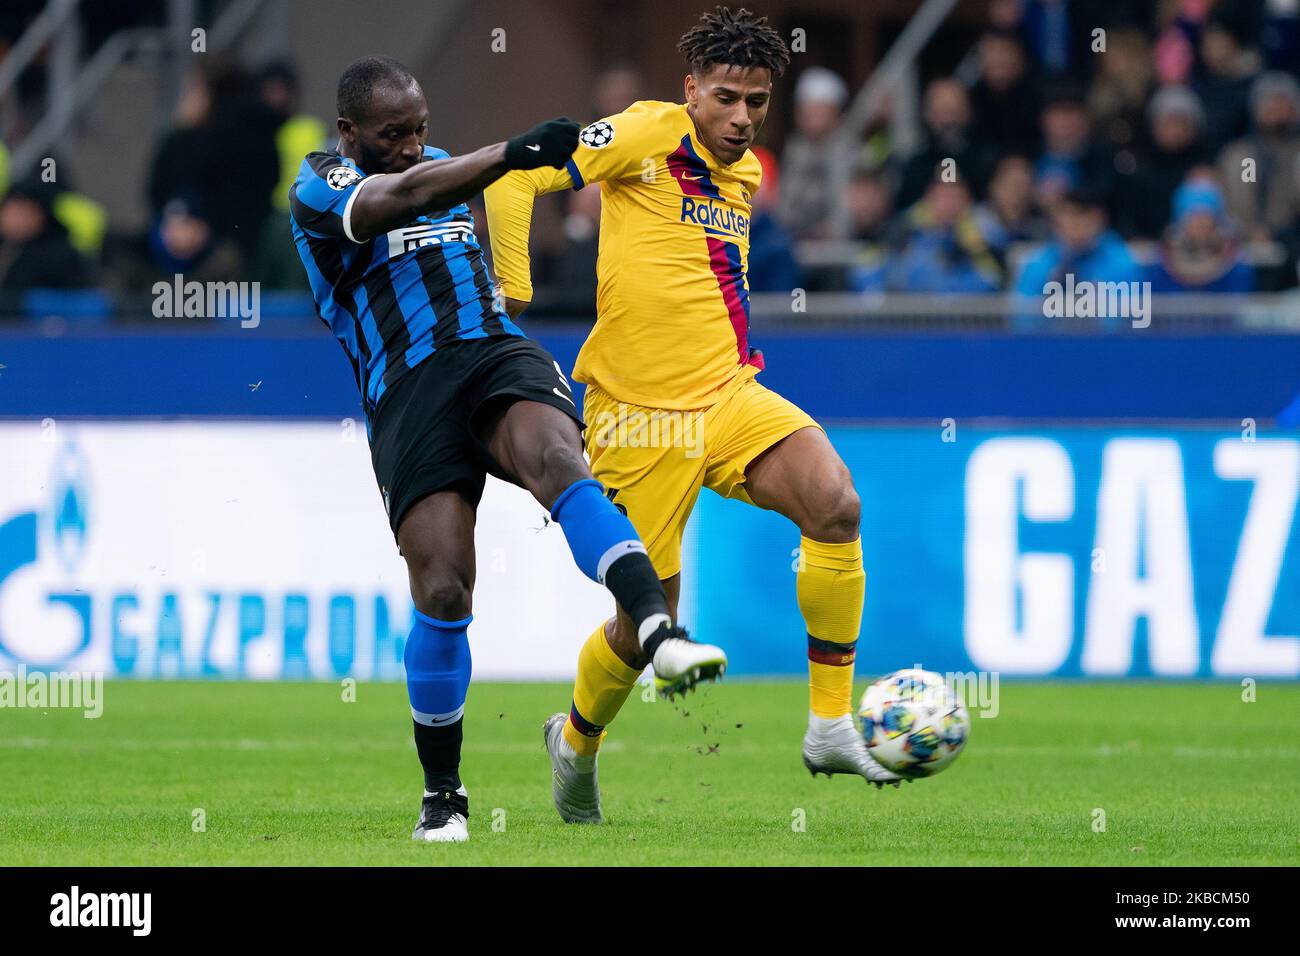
{"points": [[441, 595], [559, 465], [837, 512]]}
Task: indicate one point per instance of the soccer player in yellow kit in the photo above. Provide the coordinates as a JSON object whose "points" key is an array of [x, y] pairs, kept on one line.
{"points": [[670, 355]]}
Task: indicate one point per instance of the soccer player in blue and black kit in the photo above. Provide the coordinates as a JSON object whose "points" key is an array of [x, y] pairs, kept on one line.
{"points": [[453, 391]]}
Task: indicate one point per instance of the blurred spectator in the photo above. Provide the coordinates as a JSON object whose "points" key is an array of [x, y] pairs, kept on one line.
{"points": [[879, 134], [34, 249], [616, 89], [1201, 251], [1005, 14], [1081, 246], [772, 266], [1060, 32], [1117, 98], [183, 240], [1047, 25], [1231, 64], [1177, 121], [1037, 114], [1003, 99], [1280, 35], [84, 219], [1285, 273], [941, 249], [569, 273], [298, 133], [1264, 202], [179, 161], [277, 264], [812, 154], [948, 136], [1175, 48], [1009, 215], [1071, 158], [221, 153], [870, 202]]}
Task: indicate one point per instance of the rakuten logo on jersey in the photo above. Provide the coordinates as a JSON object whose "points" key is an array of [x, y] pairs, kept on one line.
{"points": [[717, 219], [410, 238]]}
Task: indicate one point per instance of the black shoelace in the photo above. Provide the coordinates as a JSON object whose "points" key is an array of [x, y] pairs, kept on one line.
{"points": [[440, 806]]}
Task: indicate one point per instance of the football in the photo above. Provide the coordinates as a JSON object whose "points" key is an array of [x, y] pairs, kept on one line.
{"points": [[913, 723]]}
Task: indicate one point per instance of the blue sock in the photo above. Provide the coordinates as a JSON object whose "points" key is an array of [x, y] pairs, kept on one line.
{"points": [[597, 532], [437, 680], [437, 669], [608, 550]]}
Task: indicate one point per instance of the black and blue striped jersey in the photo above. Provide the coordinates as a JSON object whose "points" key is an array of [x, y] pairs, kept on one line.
{"points": [[393, 299]]}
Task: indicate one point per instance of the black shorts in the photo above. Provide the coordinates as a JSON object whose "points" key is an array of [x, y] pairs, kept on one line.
{"points": [[425, 436]]}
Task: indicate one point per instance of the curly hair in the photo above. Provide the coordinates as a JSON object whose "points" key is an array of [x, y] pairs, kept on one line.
{"points": [[734, 39]]}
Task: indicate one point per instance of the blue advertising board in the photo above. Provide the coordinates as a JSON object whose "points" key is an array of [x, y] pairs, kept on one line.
{"points": [[1079, 551]]}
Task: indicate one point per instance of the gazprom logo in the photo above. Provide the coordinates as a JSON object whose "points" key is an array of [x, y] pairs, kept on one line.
{"points": [[68, 509], [63, 527], [93, 574]]}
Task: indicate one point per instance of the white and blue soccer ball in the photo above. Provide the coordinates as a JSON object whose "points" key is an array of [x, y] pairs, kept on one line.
{"points": [[913, 723]]}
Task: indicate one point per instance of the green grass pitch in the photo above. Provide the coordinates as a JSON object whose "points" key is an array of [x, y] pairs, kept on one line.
{"points": [[289, 774]]}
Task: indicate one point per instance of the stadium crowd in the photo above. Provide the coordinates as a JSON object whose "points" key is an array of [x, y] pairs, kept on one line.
{"points": [[1165, 147], [1173, 156]]}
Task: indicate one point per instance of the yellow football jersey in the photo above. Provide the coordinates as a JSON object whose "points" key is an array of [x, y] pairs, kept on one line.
{"points": [[672, 301]]}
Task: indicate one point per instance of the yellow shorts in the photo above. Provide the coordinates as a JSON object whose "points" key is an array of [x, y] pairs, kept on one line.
{"points": [[654, 461]]}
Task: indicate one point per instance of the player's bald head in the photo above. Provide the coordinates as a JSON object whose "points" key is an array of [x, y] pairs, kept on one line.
{"points": [[373, 79]]}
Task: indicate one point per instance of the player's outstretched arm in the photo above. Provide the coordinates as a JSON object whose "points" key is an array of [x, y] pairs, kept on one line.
{"points": [[616, 148], [392, 200], [509, 203]]}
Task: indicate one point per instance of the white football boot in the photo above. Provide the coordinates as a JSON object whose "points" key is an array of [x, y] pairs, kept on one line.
{"points": [[680, 663], [444, 817], [573, 777], [833, 745]]}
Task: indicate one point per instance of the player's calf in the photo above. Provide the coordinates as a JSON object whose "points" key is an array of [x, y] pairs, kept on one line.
{"points": [[438, 668], [606, 547]]}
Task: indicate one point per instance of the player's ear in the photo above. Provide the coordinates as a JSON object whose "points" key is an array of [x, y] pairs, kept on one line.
{"points": [[346, 129], [692, 88]]}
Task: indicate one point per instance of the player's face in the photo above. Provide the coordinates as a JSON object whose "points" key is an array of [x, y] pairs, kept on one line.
{"points": [[390, 139], [729, 104]]}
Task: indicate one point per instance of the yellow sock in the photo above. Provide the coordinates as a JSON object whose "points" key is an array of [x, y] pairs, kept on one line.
{"points": [[603, 684], [830, 586]]}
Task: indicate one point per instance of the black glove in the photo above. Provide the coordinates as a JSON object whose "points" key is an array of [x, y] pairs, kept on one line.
{"points": [[546, 144]]}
